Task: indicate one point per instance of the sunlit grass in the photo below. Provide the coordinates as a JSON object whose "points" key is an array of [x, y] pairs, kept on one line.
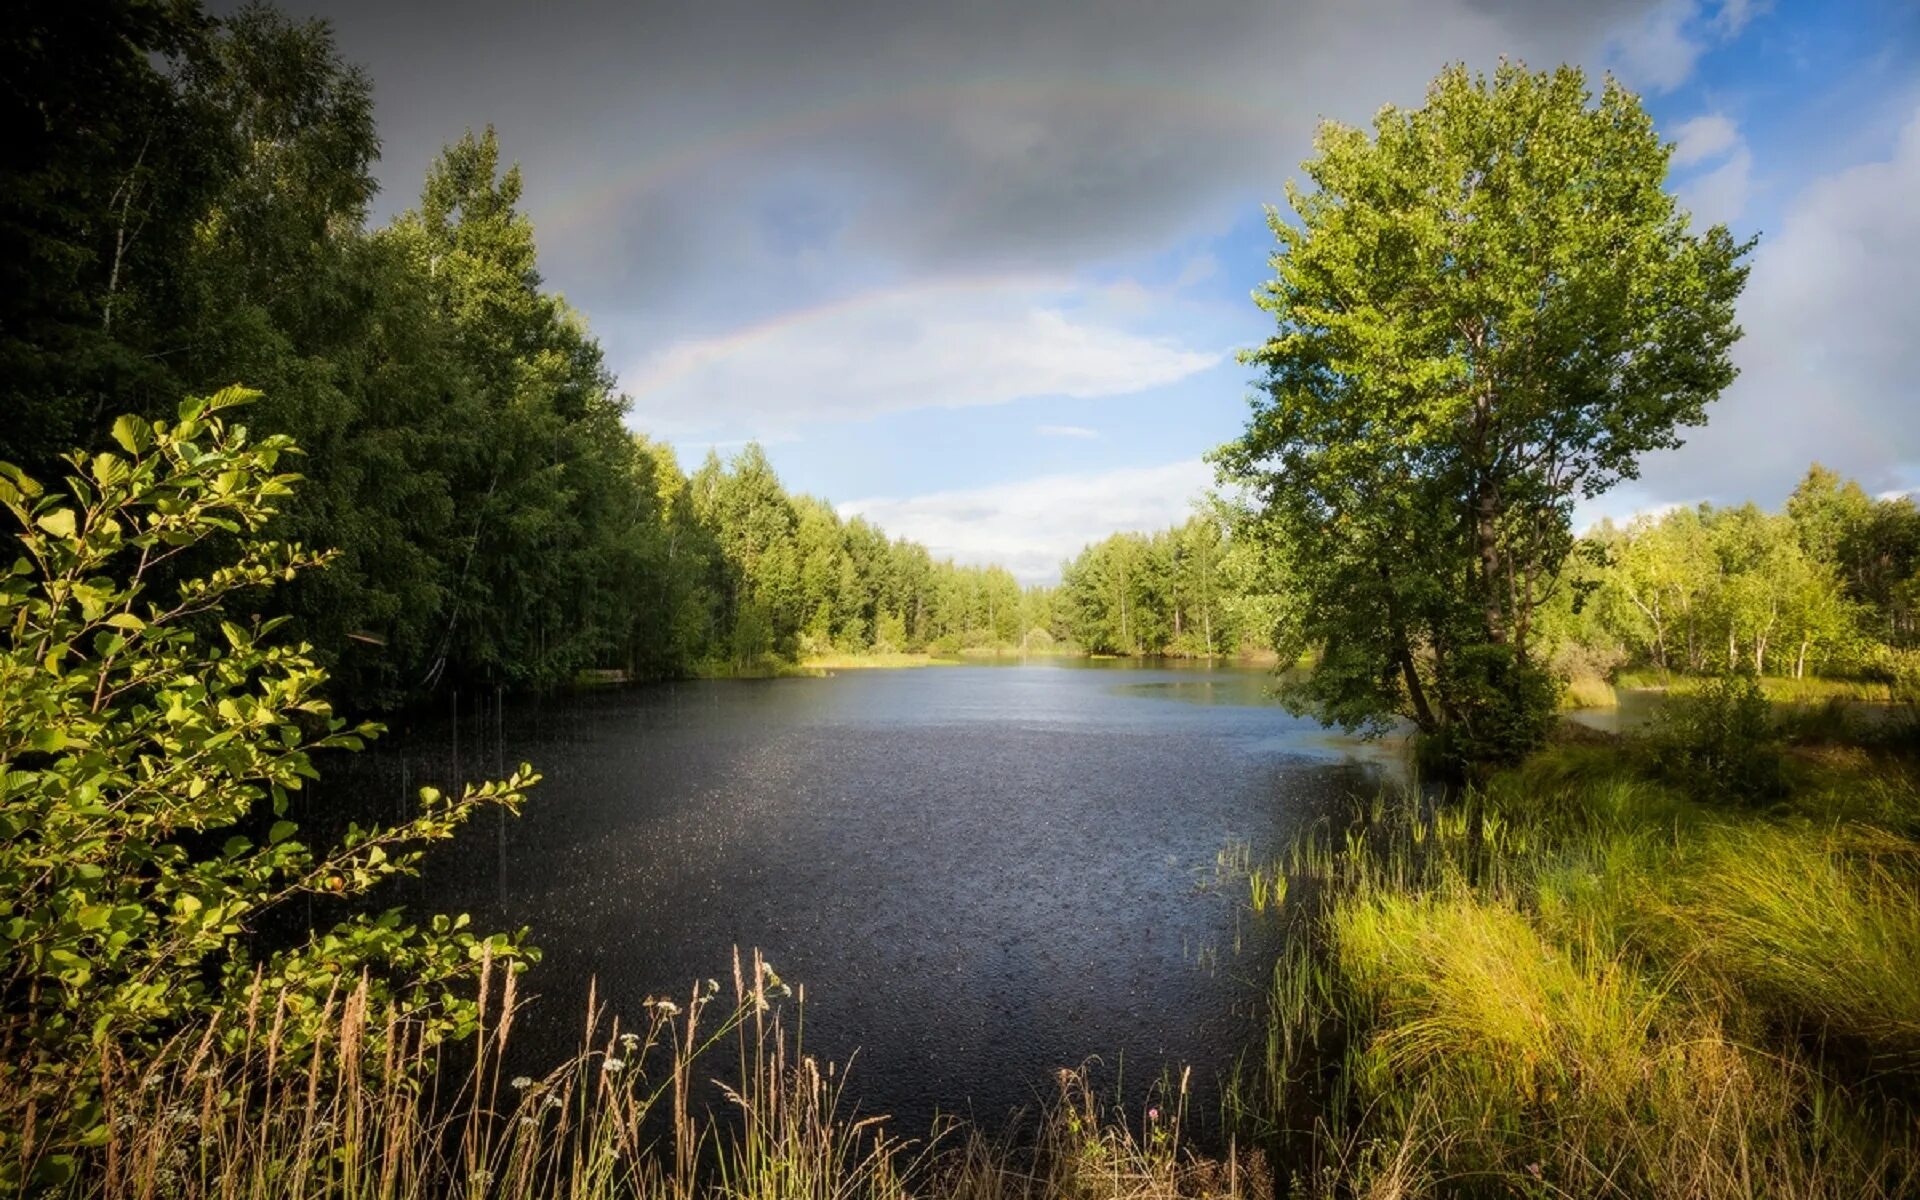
{"points": [[1586, 691], [873, 660], [1579, 981]]}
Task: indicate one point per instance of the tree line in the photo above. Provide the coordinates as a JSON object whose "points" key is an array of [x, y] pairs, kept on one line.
{"points": [[1196, 590], [1829, 585]]}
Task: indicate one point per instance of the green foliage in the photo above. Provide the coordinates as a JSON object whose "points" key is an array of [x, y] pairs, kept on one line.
{"points": [[150, 739], [1506, 706], [1718, 741], [1201, 589], [1698, 591], [1486, 310]]}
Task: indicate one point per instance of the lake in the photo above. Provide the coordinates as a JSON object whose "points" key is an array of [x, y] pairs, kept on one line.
{"points": [[979, 873]]}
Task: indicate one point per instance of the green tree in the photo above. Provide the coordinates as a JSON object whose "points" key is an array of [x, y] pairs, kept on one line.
{"points": [[1487, 309], [149, 744]]}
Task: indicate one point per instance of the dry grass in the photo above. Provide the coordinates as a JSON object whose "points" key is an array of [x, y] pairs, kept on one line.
{"points": [[372, 1112]]}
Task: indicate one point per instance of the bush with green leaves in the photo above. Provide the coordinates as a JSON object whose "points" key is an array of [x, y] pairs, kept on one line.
{"points": [[149, 740], [1719, 742], [1502, 706]]}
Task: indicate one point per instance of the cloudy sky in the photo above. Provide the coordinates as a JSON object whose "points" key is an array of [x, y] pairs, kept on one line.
{"points": [[979, 270]]}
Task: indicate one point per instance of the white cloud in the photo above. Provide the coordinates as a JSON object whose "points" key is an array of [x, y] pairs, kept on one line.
{"points": [[1704, 138], [1660, 51], [1720, 195], [931, 346], [1030, 526], [1622, 506], [1066, 431], [1830, 364]]}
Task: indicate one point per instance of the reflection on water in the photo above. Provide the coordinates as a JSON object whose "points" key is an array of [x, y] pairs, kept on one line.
{"points": [[1635, 708], [980, 873], [1240, 688]]}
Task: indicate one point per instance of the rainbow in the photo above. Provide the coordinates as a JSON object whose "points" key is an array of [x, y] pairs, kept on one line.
{"points": [[689, 356]]}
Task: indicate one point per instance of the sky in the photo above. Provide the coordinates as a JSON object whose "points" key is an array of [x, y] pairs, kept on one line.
{"points": [[980, 271]]}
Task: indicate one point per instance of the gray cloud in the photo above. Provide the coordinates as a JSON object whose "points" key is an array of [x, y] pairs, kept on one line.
{"points": [[660, 138], [698, 166]]}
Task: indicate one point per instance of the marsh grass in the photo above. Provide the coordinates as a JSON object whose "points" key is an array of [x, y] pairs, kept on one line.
{"points": [[1588, 691], [1784, 689], [874, 660], [1580, 979]]}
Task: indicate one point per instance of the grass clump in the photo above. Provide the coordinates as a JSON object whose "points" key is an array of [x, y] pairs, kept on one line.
{"points": [[1820, 929], [1588, 691], [707, 1097]]}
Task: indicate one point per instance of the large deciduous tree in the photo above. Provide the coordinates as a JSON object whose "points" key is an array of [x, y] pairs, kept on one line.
{"points": [[1488, 308]]}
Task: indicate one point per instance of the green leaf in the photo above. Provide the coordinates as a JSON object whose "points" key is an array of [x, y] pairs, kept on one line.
{"points": [[26, 484], [133, 434], [108, 468], [126, 621], [59, 522]]}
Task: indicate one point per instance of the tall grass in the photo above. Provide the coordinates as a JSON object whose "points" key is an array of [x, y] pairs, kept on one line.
{"points": [[1588, 691], [1580, 980], [1808, 689], [711, 1096]]}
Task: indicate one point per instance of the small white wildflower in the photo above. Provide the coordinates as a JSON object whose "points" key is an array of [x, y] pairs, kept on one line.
{"points": [[179, 1156], [713, 986], [666, 1008], [521, 1083], [629, 1040], [774, 983], [553, 1101], [613, 1066]]}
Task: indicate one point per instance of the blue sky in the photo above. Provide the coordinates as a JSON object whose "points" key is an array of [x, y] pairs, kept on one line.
{"points": [[980, 271]]}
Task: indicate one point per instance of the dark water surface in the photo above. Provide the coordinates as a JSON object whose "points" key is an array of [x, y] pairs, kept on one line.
{"points": [[980, 874]]}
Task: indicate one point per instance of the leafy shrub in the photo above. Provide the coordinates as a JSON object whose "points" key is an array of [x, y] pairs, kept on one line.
{"points": [[1718, 742], [145, 770], [1502, 709]]}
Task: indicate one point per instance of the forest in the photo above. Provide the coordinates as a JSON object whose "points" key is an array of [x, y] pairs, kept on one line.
{"points": [[194, 215], [273, 469]]}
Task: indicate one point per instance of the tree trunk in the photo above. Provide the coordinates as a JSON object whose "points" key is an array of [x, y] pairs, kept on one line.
{"points": [[1486, 512]]}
